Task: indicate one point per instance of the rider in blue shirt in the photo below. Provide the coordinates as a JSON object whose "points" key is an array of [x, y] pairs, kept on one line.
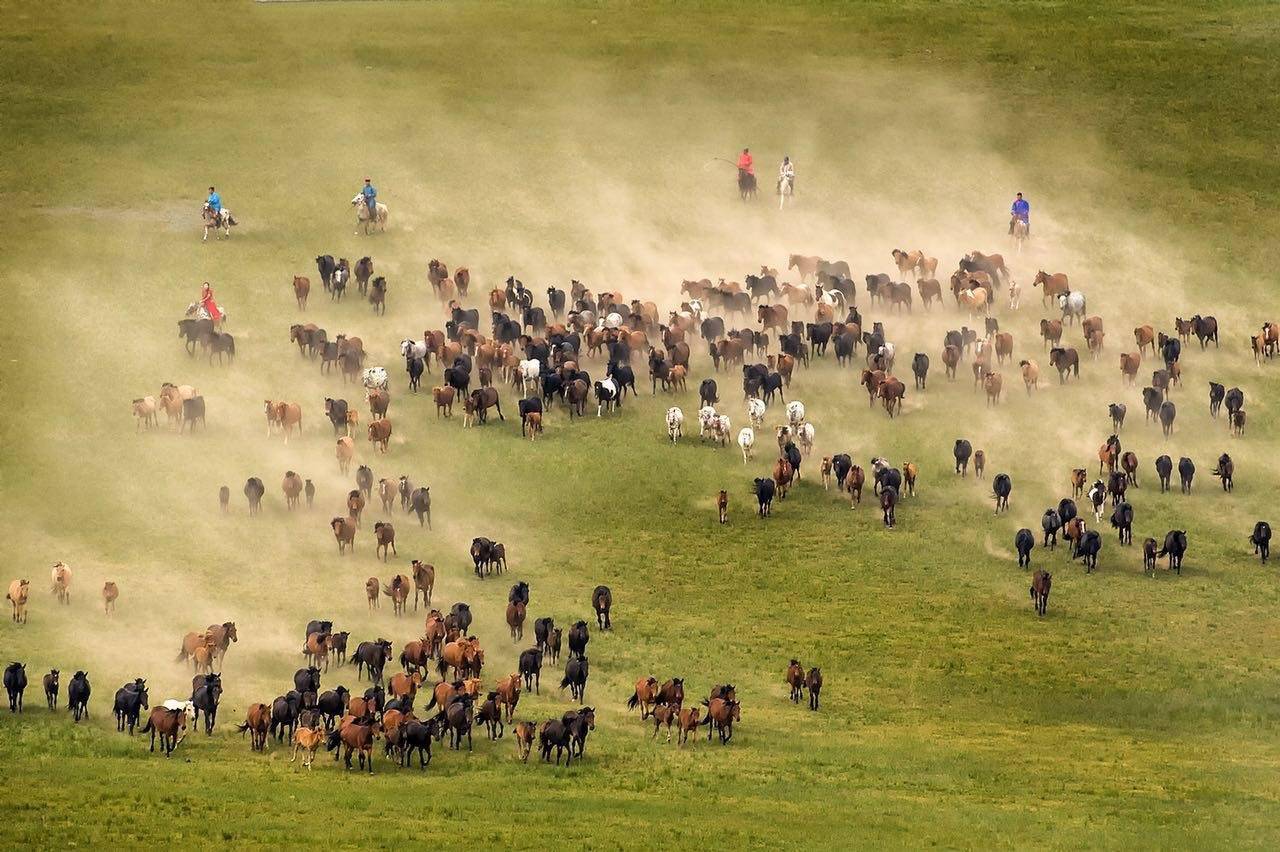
{"points": [[370, 197], [1020, 210], [214, 201]]}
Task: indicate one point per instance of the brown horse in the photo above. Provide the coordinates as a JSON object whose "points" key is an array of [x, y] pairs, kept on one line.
{"points": [[287, 416], [398, 591], [1145, 336], [644, 696], [110, 592], [1109, 454], [508, 694], [1055, 284], [524, 733], [853, 484], [773, 316], [464, 656], [688, 723], [721, 714], [424, 581], [1078, 476], [385, 534], [664, 714], [783, 474], [795, 680], [380, 434], [257, 722], [871, 380], [358, 736], [317, 648], [371, 592], [892, 391], [405, 685], [301, 289], [515, 620], [168, 724], [344, 530]]}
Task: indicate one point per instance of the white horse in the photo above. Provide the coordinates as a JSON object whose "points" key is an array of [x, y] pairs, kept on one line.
{"points": [[786, 190], [413, 348], [529, 371], [706, 421], [1072, 304], [362, 214], [746, 440], [805, 432], [1015, 294], [720, 429], [675, 423], [795, 413], [755, 411], [1019, 234], [374, 377], [831, 298], [222, 220]]}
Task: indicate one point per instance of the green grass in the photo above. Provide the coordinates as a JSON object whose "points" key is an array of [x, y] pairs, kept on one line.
{"points": [[570, 141]]}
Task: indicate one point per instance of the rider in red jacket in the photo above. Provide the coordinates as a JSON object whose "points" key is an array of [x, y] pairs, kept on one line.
{"points": [[745, 163]]}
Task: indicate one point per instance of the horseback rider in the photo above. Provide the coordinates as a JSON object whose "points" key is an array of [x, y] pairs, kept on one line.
{"points": [[745, 163], [787, 174], [214, 201], [1020, 212], [370, 198]]}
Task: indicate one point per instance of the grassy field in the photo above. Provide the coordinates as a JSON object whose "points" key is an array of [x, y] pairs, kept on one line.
{"points": [[575, 141]]}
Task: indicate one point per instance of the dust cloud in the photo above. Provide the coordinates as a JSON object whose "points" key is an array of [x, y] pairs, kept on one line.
{"points": [[623, 191]]}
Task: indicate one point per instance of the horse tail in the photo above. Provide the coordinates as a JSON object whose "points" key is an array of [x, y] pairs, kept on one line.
{"points": [[242, 728], [182, 655], [633, 701], [149, 727], [441, 667], [431, 704]]}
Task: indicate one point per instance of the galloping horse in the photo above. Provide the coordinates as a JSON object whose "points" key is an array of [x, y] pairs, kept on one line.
{"points": [[362, 214], [786, 190], [746, 184], [1019, 234], [222, 220]]}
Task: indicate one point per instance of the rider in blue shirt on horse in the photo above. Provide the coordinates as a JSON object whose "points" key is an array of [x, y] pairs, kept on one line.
{"points": [[214, 201], [370, 198], [1021, 210]]}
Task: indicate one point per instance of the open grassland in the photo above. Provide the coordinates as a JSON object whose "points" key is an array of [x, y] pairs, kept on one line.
{"points": [[570, 141]]}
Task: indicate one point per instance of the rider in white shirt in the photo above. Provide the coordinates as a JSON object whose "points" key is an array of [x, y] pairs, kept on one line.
{"points": [[787, 172]]}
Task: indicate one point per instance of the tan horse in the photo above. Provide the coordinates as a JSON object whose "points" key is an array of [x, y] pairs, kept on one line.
{"points": [[110, 591], [19, 590], [307, 740], [371, 592], [346, 452], [286, 415]]}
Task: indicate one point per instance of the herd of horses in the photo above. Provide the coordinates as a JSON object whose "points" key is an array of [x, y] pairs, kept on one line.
{"points": [[542, 356]]}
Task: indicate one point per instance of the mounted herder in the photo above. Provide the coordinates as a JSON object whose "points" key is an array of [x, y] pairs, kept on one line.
{"points": [[215, 215], [786, 181], [746, 175], [364, 202]]}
